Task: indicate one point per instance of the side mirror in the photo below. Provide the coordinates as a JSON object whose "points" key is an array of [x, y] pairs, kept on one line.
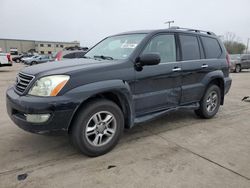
{"points": [[149, 59]]}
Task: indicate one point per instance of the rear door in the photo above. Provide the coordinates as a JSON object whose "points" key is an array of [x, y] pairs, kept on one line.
{"points": [[244, 61], [158, 87], [248, 62], [199, 57]]}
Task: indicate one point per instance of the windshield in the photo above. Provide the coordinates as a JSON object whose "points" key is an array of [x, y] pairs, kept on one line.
{"points": [[116, 47]]}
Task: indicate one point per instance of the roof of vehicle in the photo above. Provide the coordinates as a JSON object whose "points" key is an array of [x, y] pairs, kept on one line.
{"points": [[172, 29]]}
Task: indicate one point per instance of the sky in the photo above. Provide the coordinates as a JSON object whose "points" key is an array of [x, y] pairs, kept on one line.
{"points": [[88, 21]]}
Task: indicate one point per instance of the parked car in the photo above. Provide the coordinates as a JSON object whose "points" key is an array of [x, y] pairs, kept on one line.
{"points": [[69, 54], [37, 60], [239, 62], [124, 80], [5, 59], [245, 61], [18, 58]]}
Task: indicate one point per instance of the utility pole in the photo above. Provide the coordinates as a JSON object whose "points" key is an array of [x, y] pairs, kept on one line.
{"points": [[169, 23], [247, 45]]}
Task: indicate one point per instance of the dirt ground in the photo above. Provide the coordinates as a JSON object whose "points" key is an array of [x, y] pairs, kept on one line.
{"points": [[178, 150]]}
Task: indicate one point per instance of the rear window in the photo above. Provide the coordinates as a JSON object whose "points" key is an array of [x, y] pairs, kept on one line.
{"points": [[189, 47], [211, 47]]}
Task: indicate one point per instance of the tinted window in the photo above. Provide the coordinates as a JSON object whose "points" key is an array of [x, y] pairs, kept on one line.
{"points": [[212, 47], [189, 47], [164, 45], [69, 56]]}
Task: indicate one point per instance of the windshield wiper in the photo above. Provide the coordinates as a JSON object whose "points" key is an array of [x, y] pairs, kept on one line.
{"points": [[104, 57]]}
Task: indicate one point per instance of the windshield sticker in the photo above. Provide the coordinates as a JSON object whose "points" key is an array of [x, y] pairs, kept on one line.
{"points": [[127, 45]]}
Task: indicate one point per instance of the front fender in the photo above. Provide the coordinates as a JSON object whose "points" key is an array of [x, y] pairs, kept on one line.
{"points": [[118, 87]]}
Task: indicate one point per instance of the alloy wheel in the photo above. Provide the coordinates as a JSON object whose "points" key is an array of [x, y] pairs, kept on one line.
{"points": [[100, 128]]}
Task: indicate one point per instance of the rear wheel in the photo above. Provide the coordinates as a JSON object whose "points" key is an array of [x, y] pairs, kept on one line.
{"points": [[97, 128], [17, 60], [33, 63], [237, 68], [210, 103]]}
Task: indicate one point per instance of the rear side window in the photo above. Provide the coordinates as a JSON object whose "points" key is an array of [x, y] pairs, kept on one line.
{"points": [[189, 47], [164, 45], [211, 47]]}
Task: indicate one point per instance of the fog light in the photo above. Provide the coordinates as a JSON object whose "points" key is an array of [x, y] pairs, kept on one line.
{"points": [[37, 118]]}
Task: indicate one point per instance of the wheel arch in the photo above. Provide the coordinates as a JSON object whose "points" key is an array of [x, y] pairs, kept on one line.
{"points": [[220, 83], [120, 95]]}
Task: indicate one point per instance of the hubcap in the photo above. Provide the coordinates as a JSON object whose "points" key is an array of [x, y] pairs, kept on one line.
{"points": [[212, 101], [100, 128]]}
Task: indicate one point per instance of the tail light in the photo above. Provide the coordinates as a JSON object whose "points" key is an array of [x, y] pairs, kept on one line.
{"points": [[59, 56]]}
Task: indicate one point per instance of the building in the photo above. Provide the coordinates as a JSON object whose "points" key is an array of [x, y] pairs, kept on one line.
{"points": [[17, 46]]}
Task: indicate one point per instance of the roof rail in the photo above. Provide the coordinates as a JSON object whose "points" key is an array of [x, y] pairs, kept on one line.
{"points": [[192, 30]]}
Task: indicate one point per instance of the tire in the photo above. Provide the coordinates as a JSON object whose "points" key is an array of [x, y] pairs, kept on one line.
{"points": [[89, 117], [17, 60], [33, 63], [237, 69], [212, 98]]}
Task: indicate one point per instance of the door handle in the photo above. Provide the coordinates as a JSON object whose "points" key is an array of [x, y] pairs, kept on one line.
{"points": [[204, 66], [176, 69]]}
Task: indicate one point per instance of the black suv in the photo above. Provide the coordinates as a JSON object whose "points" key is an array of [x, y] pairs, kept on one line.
{"points": [[124, 80]]}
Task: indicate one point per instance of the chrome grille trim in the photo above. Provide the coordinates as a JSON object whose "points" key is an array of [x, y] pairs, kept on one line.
{"points": [[22, 82]]}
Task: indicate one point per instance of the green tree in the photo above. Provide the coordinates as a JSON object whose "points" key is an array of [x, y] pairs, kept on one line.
{"points": [[233, 45]]}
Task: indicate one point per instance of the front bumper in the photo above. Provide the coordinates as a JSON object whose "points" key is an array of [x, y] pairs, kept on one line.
{"points": [[60, 108]]}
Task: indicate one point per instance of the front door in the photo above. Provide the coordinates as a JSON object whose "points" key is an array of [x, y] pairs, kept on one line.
{"points": [[158, 87]]}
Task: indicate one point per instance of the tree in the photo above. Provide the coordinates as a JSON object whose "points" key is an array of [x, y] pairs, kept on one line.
{"points": [[233, 44]]}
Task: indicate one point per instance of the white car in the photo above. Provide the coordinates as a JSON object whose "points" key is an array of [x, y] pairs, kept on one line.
{"points": [[5, 59]]}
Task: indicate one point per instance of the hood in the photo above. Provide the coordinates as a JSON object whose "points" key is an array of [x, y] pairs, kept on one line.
{"points": [[67, 66]]}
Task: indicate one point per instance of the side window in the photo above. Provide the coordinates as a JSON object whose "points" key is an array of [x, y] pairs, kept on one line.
{"points": [[244, 57], [189, 47], [211, 47], [164, 45]]}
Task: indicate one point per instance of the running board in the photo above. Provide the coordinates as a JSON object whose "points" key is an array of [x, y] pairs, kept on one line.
{"points": [[152, 116]]}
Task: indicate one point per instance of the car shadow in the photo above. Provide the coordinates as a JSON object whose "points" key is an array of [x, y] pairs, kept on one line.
{"points": [[26, 146]]}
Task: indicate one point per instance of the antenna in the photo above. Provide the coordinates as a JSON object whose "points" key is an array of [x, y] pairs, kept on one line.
{"points": [[169, 23]]}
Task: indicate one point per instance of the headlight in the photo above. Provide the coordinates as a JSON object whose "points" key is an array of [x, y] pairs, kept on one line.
{"points": [[49, 85]]}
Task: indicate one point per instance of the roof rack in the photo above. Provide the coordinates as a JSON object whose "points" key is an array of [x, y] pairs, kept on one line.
{"points": [[192, 30]]}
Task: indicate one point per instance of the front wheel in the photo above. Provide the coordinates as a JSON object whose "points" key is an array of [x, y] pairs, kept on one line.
{"points": [[210, 103], [97, 128]]}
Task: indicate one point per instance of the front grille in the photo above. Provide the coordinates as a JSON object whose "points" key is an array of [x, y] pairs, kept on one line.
{"points": [[22, 82]]}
